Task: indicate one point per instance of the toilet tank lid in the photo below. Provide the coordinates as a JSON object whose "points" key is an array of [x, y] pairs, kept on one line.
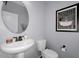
{"points": [[50, 53]]}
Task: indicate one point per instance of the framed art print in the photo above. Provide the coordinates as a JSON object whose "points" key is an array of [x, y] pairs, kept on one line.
{"points": [[66, 19]]}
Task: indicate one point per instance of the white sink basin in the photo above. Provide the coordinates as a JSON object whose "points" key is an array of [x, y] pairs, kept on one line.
{"points": [[17, 47]]}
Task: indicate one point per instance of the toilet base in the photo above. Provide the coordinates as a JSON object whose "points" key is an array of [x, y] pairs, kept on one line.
{"points": [[20, 55]]}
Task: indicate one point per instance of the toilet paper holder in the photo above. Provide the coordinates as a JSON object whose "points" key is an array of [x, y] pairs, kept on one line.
{"points": [[63, 48]]}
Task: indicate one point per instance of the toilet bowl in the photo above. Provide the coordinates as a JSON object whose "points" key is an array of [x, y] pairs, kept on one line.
{"points": [[45, 53], [48, 53]]}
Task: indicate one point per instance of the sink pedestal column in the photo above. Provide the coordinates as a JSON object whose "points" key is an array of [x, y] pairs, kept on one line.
{"points": [[20, 55]]}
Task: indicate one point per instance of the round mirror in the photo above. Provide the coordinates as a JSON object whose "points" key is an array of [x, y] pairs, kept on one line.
{"points": [[15, 16]]}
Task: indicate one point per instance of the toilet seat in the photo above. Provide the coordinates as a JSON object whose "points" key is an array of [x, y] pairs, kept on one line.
{"points": [[48, 53]]}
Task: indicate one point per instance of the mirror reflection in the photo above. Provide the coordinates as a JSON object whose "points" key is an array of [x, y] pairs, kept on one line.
{"points": [[15, 16]]}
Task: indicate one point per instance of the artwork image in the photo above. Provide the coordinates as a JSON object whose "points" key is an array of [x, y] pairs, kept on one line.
{"points": [[66, 19]]}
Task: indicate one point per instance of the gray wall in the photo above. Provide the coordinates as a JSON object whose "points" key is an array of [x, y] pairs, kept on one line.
{"points": [[56, 39], [35, 28]]}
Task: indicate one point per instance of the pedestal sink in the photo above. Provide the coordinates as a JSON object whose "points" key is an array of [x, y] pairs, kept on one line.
{"points": [[17, 47]]}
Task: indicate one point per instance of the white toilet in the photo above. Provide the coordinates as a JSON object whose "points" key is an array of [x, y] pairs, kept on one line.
{"points": [[45, 53]]}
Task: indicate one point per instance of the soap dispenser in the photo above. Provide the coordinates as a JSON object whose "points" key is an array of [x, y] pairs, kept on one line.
{"points": [[9, 40]]}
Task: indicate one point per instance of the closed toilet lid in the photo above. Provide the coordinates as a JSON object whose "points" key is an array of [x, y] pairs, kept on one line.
{"points": [[50, 53]]}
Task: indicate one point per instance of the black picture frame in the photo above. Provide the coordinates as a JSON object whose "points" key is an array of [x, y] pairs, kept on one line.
{"points": [[67, 19]]}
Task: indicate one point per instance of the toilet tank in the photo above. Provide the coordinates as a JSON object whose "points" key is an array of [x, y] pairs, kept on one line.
{"points": [[41, 44]]}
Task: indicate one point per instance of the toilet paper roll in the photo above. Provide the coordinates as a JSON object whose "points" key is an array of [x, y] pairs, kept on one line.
{"points": [[63, 49]]}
